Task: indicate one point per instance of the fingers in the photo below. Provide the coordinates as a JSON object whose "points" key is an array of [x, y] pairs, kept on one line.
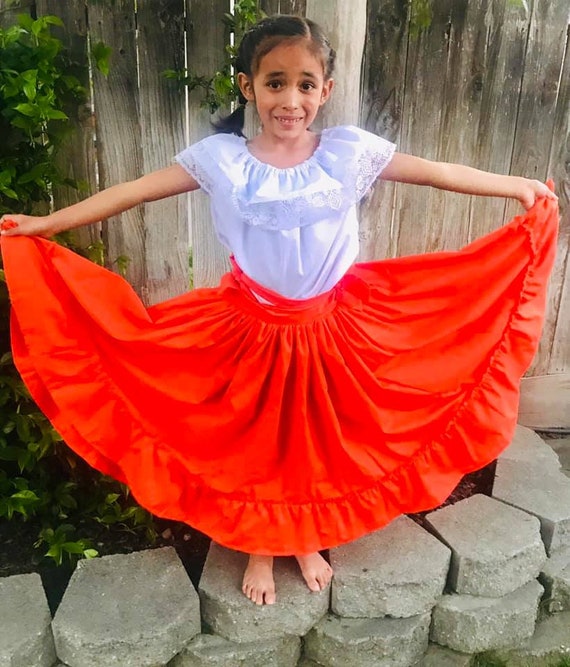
{"points": [[7, 224]]}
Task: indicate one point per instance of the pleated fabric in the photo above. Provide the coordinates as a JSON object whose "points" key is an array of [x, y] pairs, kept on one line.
{"points": [[294, 426]]}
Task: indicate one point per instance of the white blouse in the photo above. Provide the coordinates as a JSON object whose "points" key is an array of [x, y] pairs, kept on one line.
{"points": [[293, 230]]}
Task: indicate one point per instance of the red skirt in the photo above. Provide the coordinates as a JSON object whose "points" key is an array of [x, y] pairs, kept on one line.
{"points": [[297, 426]]}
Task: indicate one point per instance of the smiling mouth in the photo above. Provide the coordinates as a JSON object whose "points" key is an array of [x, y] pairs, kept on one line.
{"points": [[288, 121]]}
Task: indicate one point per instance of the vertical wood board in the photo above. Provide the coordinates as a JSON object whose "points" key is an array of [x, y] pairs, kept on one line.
{"points": [[118, 128], [77, 159], [206, 40], [382, 102], [160, 46]]}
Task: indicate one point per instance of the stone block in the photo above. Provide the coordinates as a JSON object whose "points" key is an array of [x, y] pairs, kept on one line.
{"points": [[496, 548], [215, 651], [398, 571], [227, 611], [438, 656], [561, 446], [546, 495], [548, 647], [555, 577], [470, 624], [25, 634], [135, 610], [528, 447], [371, 642]]}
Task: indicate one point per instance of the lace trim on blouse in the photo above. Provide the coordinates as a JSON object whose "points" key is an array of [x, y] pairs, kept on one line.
{"points": [[361, 166]]}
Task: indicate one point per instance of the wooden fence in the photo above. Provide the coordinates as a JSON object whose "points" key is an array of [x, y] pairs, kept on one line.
{"points": [[482, 82]]}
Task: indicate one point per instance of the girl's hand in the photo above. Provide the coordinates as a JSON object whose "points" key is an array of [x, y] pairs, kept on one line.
{"points": [[26, 225], [531, 190]]}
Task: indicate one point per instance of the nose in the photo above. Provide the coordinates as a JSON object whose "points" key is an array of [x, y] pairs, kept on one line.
{"points": [[290, 99]]}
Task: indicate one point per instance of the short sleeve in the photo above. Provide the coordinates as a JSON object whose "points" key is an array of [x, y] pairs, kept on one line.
{"points": [[193, 159], [366, 156]]}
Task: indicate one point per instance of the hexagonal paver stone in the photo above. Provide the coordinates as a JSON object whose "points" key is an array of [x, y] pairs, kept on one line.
{"points": [[561, 446], [546, 495], [215, 651], [368, 642], [549, 646], [438, 656], [472, 624], [135, 610], [496, 548], [528, 447], [230, 614], [25, 633], [555, 577], [398, 571]]}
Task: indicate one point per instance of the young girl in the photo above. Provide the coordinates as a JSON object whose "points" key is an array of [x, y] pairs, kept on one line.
{"points": [[306, 401]]}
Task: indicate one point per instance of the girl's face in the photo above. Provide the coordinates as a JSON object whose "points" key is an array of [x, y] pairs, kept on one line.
{"points": [[288, 89]]}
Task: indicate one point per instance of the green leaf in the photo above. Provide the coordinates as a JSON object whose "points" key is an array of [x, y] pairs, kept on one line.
{"points": [[101, 55], [90, 553], [27, 109], [55, 114]]}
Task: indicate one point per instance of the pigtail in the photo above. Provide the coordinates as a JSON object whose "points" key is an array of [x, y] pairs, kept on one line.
{"points": [[232, 124]]}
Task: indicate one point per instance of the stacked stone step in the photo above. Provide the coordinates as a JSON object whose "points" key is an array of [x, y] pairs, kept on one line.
{"points": [[383, 592], [242, 634], [497, 555]]}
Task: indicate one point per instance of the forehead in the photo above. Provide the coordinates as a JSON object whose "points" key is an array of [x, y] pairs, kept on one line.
{"points": [[291, 58]]}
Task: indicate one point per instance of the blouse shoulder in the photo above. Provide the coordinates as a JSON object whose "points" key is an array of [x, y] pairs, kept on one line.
{"points": [[342, 169]]}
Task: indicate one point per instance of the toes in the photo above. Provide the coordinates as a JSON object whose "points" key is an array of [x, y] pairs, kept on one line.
{"points": [[314, 585], [270, 597]]}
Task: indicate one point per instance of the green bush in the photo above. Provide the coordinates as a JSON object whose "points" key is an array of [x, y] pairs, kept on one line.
{"points": [[41, 479]]}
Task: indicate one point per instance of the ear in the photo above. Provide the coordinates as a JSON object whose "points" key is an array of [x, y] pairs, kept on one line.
{"points": [[327, 90], [245, 84]]}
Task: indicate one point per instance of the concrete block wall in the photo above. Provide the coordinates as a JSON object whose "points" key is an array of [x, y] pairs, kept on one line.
{"points": [[490, 576]]}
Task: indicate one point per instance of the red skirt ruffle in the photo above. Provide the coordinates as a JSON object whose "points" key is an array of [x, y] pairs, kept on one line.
{"points": [[287, 428]]}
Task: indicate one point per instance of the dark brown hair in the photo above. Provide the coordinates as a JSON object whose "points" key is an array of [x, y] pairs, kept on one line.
{"points": [[259, 40]]}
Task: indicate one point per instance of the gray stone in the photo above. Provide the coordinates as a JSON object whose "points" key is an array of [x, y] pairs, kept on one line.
{"points": [[230, 614], [561, 446], [548, 647], [398, 571], [555, 577], [371, 642], [528, 447], [136, 610], [472, 624], [215, 651], [438, 656], [496, 548], [546, 495], [25, 634]]}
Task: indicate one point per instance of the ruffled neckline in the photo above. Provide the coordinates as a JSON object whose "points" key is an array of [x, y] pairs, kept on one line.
{"points": [[314, 157]]}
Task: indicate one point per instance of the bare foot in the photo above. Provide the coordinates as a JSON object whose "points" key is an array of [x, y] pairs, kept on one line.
{"points": [[316, 571], [258, 582]]}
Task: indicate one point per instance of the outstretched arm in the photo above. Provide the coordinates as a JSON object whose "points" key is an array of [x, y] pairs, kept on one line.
{"points": [[172, 180], [460, 178]]}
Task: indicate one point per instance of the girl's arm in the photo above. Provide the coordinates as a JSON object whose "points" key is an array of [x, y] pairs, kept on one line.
{"points": [[158, 184], [459, 178]]}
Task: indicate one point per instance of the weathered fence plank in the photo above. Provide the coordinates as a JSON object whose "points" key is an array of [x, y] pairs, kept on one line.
{"points": [[502, 42], [544, 401], [381, 112], [207, 38], [535, 130], [425, 83], [160, 46], [78, 159], [119, 136], [556, 338], [9, 10], [345, 25], [295, 7]]}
